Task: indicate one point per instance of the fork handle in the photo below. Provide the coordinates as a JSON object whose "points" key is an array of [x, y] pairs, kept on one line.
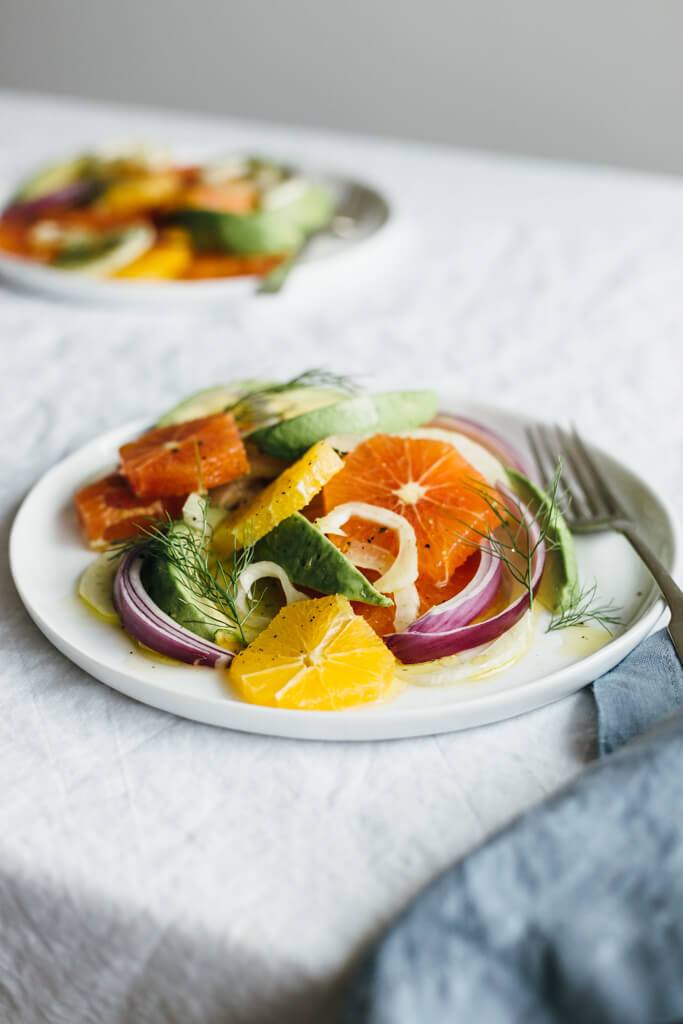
{"points": [[669, 588]]}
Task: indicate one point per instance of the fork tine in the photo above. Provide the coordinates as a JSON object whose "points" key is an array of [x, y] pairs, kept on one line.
{"points": [[591, 500], [537, 455], [612, 501], [569, 480], [546, 460]]}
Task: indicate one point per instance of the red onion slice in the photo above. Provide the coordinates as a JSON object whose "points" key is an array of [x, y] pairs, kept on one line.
{"points": [[508, 454], [151, 626], [470, 602], [71, 195], [415, 646]]}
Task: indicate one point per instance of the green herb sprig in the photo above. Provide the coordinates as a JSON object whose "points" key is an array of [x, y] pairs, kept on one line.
{"points": [[583, 608], [208, 579], [510, 542]]}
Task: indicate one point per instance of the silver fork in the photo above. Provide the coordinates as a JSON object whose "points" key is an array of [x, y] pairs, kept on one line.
{"points": [[590, 504]]}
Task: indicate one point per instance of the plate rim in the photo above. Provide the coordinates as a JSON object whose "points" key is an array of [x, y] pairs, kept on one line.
{"points": [[395, 722]]}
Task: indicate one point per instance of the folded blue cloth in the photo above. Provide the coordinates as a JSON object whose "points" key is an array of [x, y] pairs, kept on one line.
{"points": [[574, 912]]}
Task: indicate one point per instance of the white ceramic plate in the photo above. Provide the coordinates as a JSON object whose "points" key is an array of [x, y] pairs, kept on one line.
{"points": [[369, 208], [47, 557]]}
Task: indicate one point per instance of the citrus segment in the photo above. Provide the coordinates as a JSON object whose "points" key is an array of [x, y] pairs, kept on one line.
{"points": [[96, 587], [288, 493], [314, 656], [168, 258], [431, 485], [185, 457], [209, 265], [230, 197], [109, 511]]}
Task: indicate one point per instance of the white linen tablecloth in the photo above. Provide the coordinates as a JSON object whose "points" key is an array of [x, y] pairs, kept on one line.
{"points": [[154, 870]]}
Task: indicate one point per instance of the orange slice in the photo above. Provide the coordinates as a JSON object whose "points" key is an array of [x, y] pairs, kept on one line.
{"points": [[426, 481], [314, 656], [168, 258], [216, 264], [286, 494], [230, 197], [185, 457], [141, 194], [108, 511]]}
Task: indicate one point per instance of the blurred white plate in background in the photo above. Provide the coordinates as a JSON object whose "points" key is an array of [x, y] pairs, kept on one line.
{"points": [[362, 209]]}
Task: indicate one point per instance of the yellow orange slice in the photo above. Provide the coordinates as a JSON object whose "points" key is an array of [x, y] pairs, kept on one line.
{"points": [[168, 258], [315, 656], [288, 493]]}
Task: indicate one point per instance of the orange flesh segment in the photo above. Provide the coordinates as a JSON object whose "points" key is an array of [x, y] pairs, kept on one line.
{"points": [[429, 483], [232, 197], [108, 510], [14, 238], [168, 258], [314, 656], [204, 266], [185, 457]]}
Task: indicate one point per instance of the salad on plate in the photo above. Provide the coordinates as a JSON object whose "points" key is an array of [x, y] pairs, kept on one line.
{"points": [[323, 547], [138, 215]]}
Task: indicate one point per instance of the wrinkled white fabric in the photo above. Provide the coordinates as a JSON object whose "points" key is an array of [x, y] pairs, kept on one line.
{"points": [[157, 871]]}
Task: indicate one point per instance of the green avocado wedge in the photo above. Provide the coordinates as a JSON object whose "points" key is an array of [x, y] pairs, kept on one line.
{"points": [[311, 560], [272, 229], [363, 415], [262, 232], [209, 401], [165, 585], [252, 404], [291, 438], [401, 410], [311, 209], [560, 582]]}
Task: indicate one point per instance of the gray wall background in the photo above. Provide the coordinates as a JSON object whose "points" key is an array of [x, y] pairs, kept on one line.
{"points": [[588, 80]]}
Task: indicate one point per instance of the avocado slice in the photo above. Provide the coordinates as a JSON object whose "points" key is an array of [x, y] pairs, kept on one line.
{"points": [[265, 231], [363, 414], [263, 410], [311, 209], [560, 581], [166, 585], [291, 438], [209, 401], [401, 410], [276, 228], [311, 560]]}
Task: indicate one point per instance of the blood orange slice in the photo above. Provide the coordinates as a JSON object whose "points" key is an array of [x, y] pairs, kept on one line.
{"points": [[428, 482], [108, 511], [185, 457]]}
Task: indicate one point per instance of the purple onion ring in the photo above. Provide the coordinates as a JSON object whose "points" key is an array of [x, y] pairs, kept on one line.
{"points": [[412, 647], [149, 625]]}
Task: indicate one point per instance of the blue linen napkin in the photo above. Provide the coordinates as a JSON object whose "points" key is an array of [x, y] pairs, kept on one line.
{"points": [[574, 913]]}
